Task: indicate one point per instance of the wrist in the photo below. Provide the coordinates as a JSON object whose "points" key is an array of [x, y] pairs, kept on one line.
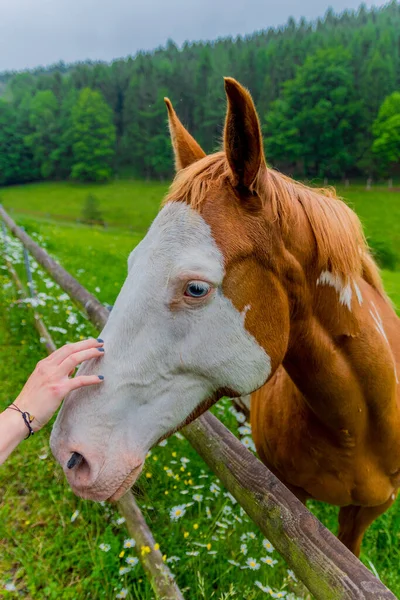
{"points": [[16, 424], [24, 406]]}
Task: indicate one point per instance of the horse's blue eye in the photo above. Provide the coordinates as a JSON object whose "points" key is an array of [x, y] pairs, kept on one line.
{"points": [[197, 289]]}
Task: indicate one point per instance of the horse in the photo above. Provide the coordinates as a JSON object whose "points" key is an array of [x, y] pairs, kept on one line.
{"points": [[247, 283]]}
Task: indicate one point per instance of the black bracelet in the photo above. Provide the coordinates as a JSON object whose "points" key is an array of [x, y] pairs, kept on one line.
{"points": [[26, 417]]}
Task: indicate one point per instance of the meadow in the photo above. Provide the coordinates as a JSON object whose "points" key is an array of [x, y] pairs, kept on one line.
{"points": [[54, 545]]}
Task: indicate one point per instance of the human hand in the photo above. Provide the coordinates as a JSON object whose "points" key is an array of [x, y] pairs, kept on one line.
{"points": [[50, 382]]}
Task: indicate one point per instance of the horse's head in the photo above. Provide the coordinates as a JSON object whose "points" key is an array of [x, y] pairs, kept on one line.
{"points": [[202, 312]]}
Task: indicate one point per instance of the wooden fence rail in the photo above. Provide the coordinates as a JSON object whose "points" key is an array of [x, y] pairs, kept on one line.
{"points": [[327, 568]]}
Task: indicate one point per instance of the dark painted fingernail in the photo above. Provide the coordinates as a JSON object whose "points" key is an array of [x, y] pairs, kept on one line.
{"points": [[101, 377], [100, 341], [100, 349]]}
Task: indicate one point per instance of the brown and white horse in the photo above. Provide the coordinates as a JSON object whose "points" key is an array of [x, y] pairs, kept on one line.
{"points": [[248, 283]]}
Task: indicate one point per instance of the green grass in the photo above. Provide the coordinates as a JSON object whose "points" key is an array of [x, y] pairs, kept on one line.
{"points": [[41, 550], [125, 204]]}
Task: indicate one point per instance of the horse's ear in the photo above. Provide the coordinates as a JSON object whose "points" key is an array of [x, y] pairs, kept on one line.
{"points": [[186, 149], [242, 136]]}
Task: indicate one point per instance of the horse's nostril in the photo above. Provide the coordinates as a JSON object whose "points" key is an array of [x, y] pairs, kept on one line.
{"points": [[75, 460]]}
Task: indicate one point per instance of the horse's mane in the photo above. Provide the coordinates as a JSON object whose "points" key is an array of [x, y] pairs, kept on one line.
{"points": [[341, 244]]}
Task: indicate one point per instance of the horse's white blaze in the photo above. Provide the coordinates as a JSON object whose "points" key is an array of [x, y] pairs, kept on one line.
{"points": [[343, 289], [163, 357], [379, 327]]}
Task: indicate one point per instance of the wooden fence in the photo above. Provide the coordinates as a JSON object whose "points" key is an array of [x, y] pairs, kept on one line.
{"points": [[326, 567]]}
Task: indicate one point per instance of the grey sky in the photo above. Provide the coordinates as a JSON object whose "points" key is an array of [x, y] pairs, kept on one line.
{"points": [[40, 32]]}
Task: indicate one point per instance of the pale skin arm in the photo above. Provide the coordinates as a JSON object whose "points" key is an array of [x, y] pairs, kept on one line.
{"points": [[44, 391]]}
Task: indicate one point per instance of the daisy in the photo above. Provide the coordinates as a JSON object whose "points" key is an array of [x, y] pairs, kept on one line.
{"points": [[243, 548], [124, 571], [131, 560], [105, 547], [244, 430], [173, 559], [248, 443], [234, 563], [278, 594], [74, 516], [230, 497], [177, 512], [253, 564], [269, 561], [197, 497], [268, 546], [122, 594], [215, 489], [129, 543], [263, 588]]}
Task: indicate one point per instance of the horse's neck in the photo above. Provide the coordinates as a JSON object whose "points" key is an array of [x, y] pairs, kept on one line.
{"points": [[341, 357]]}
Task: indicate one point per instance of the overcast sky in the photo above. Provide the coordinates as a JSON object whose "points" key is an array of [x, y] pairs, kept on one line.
{"points": [[41, 32]]}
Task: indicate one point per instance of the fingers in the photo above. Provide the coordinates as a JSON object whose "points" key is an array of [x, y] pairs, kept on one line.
{"points": [[77, 358], [82, 381], [62, 353]]}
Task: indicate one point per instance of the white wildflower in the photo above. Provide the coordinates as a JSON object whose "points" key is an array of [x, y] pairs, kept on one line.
{"points": [[269, 561], [252, 564], [268, 546], [263, 588], [105, 547], [74, 516], [177, 512], [248, 443], [233, 562]]}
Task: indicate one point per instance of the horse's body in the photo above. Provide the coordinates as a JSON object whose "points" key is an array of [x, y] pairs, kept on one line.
{"points": [[248, 281], [328, 422]]}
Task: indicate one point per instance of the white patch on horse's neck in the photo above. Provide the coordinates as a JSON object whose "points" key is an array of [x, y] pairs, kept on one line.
{"points": [[358, 293], [245, 311], [343, 289], [379, 327]]}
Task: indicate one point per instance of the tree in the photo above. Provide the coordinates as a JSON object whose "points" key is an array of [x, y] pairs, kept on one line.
{"points": [[326, 134], [93, 135], [386, 130], [16, 161], [315, 124], [44, 139], [91, 211]]}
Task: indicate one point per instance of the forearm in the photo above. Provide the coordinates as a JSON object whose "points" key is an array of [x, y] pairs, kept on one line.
{"points": [[12, 431]]}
